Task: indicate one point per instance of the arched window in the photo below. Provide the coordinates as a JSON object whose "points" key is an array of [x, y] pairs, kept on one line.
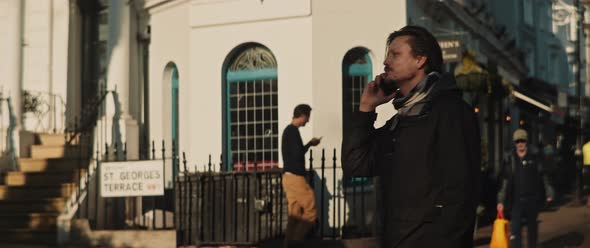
{"points": [[170, 107], [356, 73], [251, 108]]}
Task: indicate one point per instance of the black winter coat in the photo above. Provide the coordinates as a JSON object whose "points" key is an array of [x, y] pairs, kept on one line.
{"points": [[508, 178], [428, 167]]}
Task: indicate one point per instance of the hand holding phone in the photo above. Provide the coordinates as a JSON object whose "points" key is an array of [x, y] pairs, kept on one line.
{"points": [[315, 141], [377, 92]]}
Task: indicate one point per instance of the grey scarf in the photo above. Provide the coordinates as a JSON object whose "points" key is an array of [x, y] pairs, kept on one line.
{"points": [[413, 103]]}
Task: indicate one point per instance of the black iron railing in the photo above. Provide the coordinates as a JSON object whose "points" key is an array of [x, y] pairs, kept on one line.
{"points": [[215, 207], [136, 212]]}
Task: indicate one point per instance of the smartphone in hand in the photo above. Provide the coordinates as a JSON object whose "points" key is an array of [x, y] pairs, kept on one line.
{"points": [[388, 86], [315, 141]]}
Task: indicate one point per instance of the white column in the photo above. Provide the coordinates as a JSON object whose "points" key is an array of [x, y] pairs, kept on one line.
{"points": [[118, 76], [11, 23], [11, 50], [119, 50], [74, 71], [62, 47]]}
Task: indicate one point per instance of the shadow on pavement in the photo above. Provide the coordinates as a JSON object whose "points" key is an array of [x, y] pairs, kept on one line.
{"points": [[482, 241], [557, 203], [571, 239], [302, 244], [312, 243]]}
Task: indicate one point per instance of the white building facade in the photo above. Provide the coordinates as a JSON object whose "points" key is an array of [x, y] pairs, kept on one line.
{"points": [[39, 68], [216, 77], [153, 48], [240, 74]]}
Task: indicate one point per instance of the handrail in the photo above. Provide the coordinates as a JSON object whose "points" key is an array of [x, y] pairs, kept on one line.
{"points": [[88, 118], [83, 127]]}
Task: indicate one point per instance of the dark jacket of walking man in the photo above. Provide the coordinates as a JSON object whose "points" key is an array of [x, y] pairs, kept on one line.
{"points": [[428, 155], [300, 197], [522, 181]]}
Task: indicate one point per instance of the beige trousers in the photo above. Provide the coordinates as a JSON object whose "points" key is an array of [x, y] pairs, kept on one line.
{"points": [[300, 198]]}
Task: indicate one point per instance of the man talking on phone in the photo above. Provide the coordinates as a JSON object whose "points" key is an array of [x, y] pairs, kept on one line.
{"points": [[427, 155], [300, 197]]}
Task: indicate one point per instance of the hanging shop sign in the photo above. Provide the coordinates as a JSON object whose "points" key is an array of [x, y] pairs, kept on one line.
{"points": [[451, 50]]}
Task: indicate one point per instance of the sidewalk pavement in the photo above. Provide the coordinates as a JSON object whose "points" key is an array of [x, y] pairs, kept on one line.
{"points": [[559, 227], [564, 226]]}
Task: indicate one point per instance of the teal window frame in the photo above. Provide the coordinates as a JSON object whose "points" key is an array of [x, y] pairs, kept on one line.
{"points": [[236, 77]]}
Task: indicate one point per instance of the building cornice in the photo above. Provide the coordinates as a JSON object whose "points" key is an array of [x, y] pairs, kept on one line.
{"points": [[150, 4]]}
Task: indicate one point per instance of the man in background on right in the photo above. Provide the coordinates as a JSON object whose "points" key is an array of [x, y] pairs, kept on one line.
{"points": [[521, 177]]}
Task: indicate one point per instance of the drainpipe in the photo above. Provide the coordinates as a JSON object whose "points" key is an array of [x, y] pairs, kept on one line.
{"points": [[17, 95]]}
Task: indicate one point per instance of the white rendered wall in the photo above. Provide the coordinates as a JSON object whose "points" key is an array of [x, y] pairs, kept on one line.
{"points": [[36, 53], [60, 63], [10, 73], [45, 55], [308, 39], [290, 42], [10, 44], [339, 26], [36, 62], [169, 44], [289, 39], [335, 31]]}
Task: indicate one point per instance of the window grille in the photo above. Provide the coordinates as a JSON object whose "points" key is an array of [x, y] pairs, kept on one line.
{"points": [[252, 110]]}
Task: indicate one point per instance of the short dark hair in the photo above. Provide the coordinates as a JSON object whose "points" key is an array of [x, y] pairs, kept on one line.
{"points": [[423, 43], [301, 109]]}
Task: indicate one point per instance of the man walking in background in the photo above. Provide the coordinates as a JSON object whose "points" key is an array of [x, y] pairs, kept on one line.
{"points": [[521, 176], [300, 197]]}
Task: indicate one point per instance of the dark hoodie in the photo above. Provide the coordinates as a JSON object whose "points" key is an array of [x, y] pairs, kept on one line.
{"points": [[428, 161]]}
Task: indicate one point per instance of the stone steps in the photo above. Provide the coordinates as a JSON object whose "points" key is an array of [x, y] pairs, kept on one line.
{"points": [[36, 192], [32, 199], [54, 165], [46, 205], [23, 237], [31, 221], [39, 178], [49, 152]]}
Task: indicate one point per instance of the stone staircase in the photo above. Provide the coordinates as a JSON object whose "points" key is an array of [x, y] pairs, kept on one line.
{"points": [[32, 198]]}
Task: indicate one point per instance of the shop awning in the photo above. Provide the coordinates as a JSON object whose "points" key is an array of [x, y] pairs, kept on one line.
{"points": [[532, 101]]}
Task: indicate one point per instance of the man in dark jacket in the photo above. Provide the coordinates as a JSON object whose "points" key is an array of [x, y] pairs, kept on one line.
{"points": [[522, 175], [428, 155], [300, 196]]}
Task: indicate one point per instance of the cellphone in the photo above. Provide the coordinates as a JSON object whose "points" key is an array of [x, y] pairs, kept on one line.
{"points": [[388, 86]]}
